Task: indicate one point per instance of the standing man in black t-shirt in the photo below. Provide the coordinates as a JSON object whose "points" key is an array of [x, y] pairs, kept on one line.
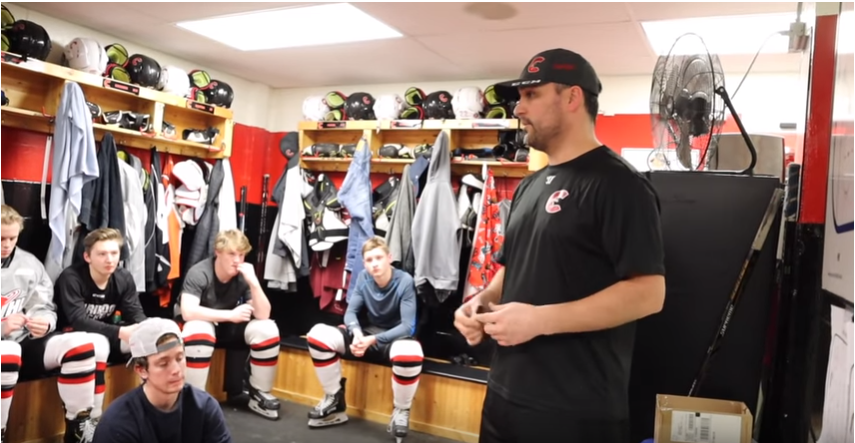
{"points": [[583, 260], [219, 299], [101, 297]]}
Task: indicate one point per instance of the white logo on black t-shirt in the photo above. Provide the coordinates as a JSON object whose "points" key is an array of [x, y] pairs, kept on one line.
{"points": [[552, 205], [100, 312]]}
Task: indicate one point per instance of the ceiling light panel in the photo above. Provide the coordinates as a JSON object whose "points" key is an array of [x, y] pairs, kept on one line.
{"points": [[326, 24]]}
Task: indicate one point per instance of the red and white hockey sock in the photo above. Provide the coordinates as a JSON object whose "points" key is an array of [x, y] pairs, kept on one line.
{"points": [[11, 365], [406, 356], [102, 352], [199, 340], [76, 382], [326, 344], [262, 336]]}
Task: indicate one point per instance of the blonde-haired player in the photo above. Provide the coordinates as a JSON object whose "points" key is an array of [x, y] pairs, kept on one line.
{"points": [[222, 300]]}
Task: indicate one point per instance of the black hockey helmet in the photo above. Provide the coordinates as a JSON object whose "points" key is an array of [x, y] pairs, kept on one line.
{"points": [[29, 40], [144, 70], [437, 105], [219, 93], [359, 106]]}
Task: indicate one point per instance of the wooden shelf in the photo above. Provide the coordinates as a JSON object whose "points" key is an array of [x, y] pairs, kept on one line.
{"points": [[462, 134], [396, 166], [26, 119], [403, 125], [34, 84], [145, 140]]}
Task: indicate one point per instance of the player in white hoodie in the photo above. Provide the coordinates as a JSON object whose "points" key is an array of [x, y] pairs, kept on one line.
{"points": [[30, 342]]}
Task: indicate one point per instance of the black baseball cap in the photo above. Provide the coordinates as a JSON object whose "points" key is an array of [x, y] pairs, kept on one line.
{"points": [[560, 66]]}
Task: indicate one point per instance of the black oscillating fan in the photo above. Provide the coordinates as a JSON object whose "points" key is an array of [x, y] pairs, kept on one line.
{"points": [[687, 101]]}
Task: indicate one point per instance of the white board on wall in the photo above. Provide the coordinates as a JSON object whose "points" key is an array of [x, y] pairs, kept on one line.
{"points": [[837, 261]]}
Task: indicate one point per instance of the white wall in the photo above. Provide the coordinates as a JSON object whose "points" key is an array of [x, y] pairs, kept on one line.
{"points": [[251, 99], [764, 100]]}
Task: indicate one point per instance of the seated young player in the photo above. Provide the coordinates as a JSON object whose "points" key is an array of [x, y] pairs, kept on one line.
{"points": [[91, 295], [388, 296], [163, 409], [219, 299], [30, 342]]}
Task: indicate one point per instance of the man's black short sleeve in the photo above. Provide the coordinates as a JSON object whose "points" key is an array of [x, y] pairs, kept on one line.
{"points": [[575, 229], [632, 237]]}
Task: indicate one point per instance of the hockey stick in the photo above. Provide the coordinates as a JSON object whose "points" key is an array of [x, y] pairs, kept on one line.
{"points": [[262, 229], [739, 288], [242, 214]]}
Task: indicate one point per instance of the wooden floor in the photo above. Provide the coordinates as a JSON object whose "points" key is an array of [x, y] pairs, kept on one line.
{"points": [[443, 406]]}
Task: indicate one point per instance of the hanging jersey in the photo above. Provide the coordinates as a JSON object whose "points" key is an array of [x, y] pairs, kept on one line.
{"points": [[489, 236], [26, 289]]}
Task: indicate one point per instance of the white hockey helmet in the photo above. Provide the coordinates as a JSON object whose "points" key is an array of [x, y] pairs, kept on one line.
{"points": [[388, 107], [315, 108], [468, 103], [87, 55], [174, 80]]}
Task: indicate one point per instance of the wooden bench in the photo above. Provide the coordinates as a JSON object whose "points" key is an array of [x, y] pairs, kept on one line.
{"points": [[37, 416], [447, 404]]}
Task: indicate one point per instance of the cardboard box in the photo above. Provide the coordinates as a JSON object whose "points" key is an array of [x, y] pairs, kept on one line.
{"points": [[701, 420]]}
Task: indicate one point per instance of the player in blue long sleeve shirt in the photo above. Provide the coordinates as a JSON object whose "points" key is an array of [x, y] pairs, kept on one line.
{"points": [[387, 297]]}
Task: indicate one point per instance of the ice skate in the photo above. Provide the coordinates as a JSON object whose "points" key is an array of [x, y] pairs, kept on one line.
{"points": [[79, 430], [332, 410], [399, 425], [263, 404]]}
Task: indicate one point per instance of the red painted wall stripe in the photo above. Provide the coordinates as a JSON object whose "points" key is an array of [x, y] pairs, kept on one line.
{"points": [[818, 126], [256, 152]]}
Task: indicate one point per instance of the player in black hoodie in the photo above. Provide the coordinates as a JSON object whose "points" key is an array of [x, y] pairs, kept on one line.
{"points": [[100, 297]]}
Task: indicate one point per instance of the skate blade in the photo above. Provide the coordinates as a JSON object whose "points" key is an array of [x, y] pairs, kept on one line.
{"points": [[332, 420], [266, 413]]}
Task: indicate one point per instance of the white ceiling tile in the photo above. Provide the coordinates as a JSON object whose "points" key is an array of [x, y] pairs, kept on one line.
{"points": [[505, 53], [440, 18]]}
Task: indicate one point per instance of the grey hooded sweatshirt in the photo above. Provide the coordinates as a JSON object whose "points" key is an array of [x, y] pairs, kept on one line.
{"points": [[436, 228]]}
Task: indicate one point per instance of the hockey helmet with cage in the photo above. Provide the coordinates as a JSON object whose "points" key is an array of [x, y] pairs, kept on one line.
{"points": [[29, 40], [144, 70], [437, 105], [359, 106], [85, 54], [468, 103]]}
